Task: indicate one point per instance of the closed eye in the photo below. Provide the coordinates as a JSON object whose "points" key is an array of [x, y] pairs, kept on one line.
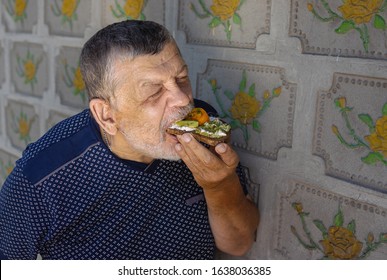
{"points": [[182, 80], [156, 94]]}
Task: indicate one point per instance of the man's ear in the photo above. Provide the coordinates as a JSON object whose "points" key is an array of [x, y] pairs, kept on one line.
{"points": [[104, 115]]}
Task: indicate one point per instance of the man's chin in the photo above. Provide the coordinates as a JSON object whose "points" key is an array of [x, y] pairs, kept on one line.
{"points": [[169, 156], [176, 158], [168, 152]]}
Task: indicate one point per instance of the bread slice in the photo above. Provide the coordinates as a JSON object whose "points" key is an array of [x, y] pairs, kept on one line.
{"points": [[211, 133]]}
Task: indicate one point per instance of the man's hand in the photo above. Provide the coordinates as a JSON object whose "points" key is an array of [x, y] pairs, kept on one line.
{"points": [[209, 170], [233, 217]]}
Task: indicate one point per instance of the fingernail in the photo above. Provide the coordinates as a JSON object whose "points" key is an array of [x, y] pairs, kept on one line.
{"points": [[221, 148], [186, 137]]}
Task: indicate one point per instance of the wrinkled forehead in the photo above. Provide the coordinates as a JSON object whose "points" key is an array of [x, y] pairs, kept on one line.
{"points": [[166, 63]]}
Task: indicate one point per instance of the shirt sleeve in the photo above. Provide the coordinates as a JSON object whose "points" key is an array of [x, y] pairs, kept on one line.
{"points": [[22, 218]]}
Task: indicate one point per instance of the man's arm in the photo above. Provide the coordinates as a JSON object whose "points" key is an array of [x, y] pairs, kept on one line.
{"points": [[233, 217]]}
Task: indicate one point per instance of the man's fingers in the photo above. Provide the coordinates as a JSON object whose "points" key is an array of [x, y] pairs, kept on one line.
{"points": [[194, 151], [228, 155], [200, 155]]}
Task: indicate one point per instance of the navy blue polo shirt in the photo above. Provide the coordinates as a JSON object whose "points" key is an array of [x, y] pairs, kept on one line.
{"points": [[69, 197]]}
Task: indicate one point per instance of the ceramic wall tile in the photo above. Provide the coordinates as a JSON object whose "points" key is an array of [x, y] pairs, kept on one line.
{"points": [[69, 82], [251, 98], [351, 130], [29, 72], [332, 125], [317, 224], [7, 163], [22, 124], [119, 10], [224, 23], [67, 17], [19, 15], [340, 28], [54, 118]]}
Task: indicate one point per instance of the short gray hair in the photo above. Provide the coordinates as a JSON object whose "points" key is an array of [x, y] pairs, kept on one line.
{"points": [[125, 39]]}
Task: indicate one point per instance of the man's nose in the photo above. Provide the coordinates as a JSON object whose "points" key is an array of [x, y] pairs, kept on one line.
{"points": [[180, 97]]}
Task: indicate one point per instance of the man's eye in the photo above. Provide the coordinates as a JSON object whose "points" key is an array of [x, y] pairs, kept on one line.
{"points": [[182, 80], [157, 94]]}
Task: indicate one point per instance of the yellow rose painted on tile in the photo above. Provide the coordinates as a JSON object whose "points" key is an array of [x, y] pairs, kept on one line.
{"points": [[360, 11], [20, 7], [69, 7], [356, 15], [245, 109], [6, 169], [66, 11], [27, 68], [338, 242], [17, 9], [22, 126], [73, 79], [341, 244], [221, 12], [375, 143], [78, 82], [224, 9], [131, 9], [378, 139]]}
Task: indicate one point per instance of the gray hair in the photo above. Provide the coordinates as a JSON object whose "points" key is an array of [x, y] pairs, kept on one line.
{"points": [[125, 39]]}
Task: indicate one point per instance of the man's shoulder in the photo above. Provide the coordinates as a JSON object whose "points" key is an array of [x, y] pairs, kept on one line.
{"points": [[62, 143]]}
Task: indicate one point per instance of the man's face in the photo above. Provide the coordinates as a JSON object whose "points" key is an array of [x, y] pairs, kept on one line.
{"points": [[152, 92]]}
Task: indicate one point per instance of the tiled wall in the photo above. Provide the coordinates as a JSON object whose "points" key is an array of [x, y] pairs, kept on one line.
{"points": [[303, 83]]}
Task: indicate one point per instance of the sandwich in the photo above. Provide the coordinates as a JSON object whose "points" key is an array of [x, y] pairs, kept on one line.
{"points": [[208, 130]]}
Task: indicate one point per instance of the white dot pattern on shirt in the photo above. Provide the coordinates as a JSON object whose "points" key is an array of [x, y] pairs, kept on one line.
{"points": [[98, 207]]}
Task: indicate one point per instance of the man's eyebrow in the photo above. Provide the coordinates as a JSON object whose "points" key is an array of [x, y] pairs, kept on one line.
{"points": [[149, 82], [184, 68]]}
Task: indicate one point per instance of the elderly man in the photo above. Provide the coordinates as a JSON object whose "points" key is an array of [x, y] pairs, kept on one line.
{"points": [[110, 183]]}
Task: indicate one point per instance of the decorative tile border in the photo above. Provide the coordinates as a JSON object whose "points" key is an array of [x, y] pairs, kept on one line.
{"points": [[69, 82], [340, 28], [19, 16], [22, 124], [119, 10], [317, 224], [227, 24], [251, 97], [350, 130], [67, 18], [29, 68]]}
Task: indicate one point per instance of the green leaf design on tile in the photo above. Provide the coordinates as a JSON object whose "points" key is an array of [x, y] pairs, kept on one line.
{"points": [[375, 143], [337, 241], [220, 13], [356, 16]]}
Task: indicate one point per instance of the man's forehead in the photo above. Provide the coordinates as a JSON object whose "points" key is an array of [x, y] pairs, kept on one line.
{"points": [[170, 50], [159, 76], [152, 67]]}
